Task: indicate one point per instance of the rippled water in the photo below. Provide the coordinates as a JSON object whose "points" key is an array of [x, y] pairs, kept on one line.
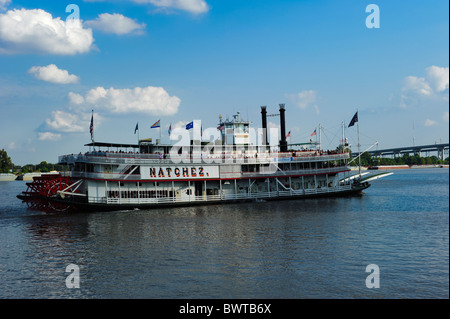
{"points": [[314, 248]]}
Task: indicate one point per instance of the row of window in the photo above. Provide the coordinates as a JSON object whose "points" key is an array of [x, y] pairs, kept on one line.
{"points": [[140, 194]]}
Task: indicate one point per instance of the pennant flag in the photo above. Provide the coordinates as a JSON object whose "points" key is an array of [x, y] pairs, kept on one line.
{"points": [[91, 127], [136, 128], [221, 127], [313, 133], [288, 134], [170, 129], [157, 124], [190, 125], [354, 119]]}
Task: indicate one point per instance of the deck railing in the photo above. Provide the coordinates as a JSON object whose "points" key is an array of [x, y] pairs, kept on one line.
{"points": [[154, 159], [218, 198], [244, 175]]}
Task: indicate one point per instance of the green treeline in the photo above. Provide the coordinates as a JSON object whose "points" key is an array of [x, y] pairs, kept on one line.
{"points": [[7, 166], [368, 160], [42, 167]]}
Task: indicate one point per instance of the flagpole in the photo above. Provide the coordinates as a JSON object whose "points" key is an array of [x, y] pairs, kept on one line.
{"points": [[320, 136], [316, 137], [359, 146]]}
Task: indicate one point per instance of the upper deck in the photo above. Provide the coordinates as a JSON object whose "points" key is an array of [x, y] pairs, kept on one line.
{"points": [[100, 157], [137, 166]]}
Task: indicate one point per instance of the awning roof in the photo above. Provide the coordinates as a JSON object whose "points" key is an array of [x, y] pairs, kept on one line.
{"points": [[101, 144]]}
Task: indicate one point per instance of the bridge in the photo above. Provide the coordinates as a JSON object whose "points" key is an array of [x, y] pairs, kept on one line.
{"points": [[398, 151]]}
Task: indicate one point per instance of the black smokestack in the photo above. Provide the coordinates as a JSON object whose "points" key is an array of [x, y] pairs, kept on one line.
{"points": [[264, 123], [283, 142]]}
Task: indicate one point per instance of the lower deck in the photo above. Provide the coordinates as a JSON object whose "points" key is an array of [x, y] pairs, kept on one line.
{"points": [[160, 192]]}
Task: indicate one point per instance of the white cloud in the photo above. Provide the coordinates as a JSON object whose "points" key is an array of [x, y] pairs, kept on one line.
{"points": [[438, 77], [418, 85], [433, 87], [66, 122], [4, 4], [36, 31], [180, 125], [429, 122], [304, 99], [192, 6], [49, 136], [116, 23], [445, 117], [75, 98], [51, 73], [148, 100]]}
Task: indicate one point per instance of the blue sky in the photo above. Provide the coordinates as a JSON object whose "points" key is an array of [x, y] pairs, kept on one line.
{"points": [[182, 60]]}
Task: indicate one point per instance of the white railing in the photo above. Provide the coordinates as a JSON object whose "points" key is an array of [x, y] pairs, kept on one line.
{"points": [[216, 198], [245, 175], [137, 158]]}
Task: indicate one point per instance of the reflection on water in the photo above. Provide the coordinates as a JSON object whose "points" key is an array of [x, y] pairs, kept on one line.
{"points": [[46, 206], [315, 248]]}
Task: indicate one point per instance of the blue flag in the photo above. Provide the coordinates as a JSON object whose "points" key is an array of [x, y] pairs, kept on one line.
{"points": [[354, 120], [190, 125], [137, 128]]}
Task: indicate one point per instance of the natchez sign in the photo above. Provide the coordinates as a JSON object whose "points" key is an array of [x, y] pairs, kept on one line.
{"points": [[179, 172]]}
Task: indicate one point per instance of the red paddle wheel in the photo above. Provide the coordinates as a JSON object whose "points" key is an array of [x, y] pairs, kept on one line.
{"points": [[42, 188], [47, 185]]}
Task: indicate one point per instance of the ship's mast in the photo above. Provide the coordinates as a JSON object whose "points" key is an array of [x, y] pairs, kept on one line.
{"points": [[359, 147], [320, 136]]}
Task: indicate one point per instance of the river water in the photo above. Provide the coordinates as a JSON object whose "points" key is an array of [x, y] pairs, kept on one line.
{"points": [[312, 248]]}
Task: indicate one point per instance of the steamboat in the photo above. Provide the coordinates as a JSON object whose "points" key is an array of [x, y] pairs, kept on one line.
{"points": [[233, 168]]}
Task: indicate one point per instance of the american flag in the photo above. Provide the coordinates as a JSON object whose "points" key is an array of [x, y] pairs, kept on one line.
{"points": [[91, 127], [313, 133]]}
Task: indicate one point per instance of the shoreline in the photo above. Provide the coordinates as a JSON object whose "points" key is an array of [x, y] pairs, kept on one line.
{"points": [[386, 167], [9, 177]]}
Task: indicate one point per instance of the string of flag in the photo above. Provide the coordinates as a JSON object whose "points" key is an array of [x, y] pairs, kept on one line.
{"points": [[190, 125]]}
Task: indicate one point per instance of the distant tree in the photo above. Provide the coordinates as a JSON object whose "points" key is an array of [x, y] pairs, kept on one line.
{"points": [[366, 159], [45, 167], [5, 162]]}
